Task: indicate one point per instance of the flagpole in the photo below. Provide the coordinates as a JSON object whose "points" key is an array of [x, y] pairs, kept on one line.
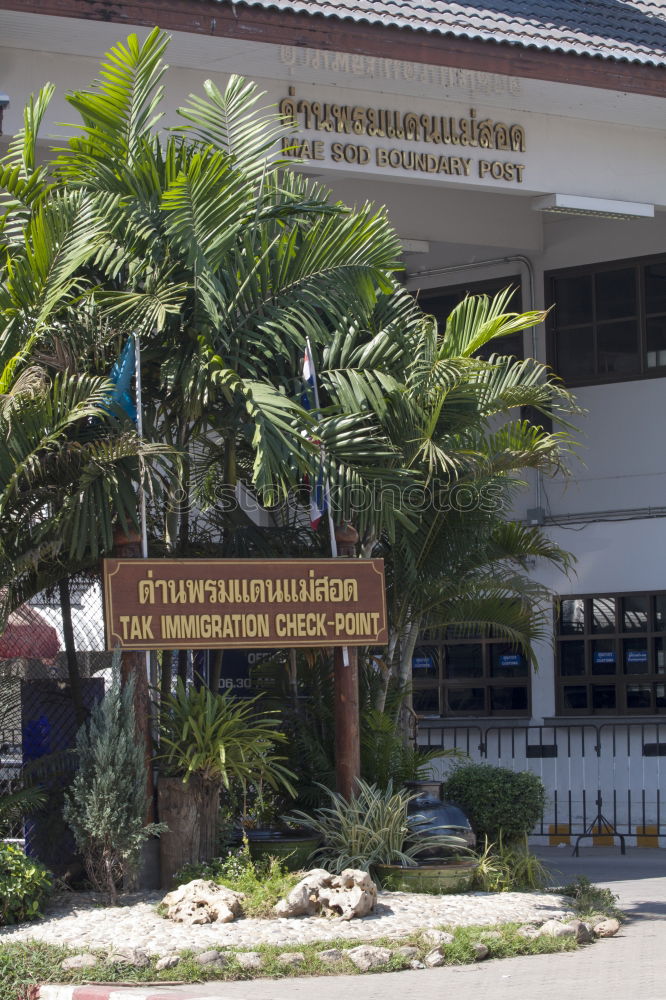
{"points": [[327, 489], [138, 391]]}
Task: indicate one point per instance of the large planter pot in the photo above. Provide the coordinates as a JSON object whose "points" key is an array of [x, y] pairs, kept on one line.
{"points": [[190, 811], [292, 849], [452, 876]]}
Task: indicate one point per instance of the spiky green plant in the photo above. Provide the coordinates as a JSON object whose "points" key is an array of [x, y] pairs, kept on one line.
{"points": [[372, 828]]}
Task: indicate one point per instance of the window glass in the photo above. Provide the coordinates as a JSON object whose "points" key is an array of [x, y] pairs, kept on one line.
{"points": [[603, 697], [635, 611], [635, 656], [659, 656], [655, 288], [617, 348], [573, 300], [574, 698], [660, 612], [572, 616], [575, 352], [615, 293], [466, 699], [464, 660], [639, 696], [656, 342], [660, 696], [424, 662], [603, 656], [507, 661], [603, 614], [508, 699], [426, 700], [572, 658]]}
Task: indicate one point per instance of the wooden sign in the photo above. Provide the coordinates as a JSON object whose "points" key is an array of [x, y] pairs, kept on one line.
{"points": [[244, 603]]}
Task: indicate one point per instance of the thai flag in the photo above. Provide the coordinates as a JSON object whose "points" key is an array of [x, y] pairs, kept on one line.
{"points": [[318, 498]]}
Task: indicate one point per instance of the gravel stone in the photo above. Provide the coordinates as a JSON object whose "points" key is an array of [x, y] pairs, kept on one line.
{"points": [[438, 937], [79, 962], [607, 928], [481, 951], [434, 958], [78, 921], [167, 962], [582, 931], [250, 960], [331, 955], [292, 958], [407, 951], [207, 957], [555, 928], [367, 957], [128, 956], [415, 964]]}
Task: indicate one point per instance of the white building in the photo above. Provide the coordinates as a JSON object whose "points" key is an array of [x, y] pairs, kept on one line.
{"points": [[524, 146]]}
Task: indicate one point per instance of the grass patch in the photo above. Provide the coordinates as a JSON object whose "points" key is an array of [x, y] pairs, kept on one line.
{"points": [[590, 900], [23, 965], [263, 883]]}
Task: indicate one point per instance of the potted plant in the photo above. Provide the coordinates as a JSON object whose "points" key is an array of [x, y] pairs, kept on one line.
{"points": [[373, 831], [207, 741], [269, 834]]}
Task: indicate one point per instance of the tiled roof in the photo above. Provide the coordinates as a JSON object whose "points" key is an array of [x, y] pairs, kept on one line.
{"points": [[630, 30]]}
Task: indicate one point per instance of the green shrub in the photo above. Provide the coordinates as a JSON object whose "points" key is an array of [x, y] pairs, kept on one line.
{"points": [[24, 886], [589, 898], [498, 802], [510, 868], [373, 828], [263, 883]]}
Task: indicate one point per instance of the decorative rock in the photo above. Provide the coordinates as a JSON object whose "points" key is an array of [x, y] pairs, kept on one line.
{"points": [[481, 951], [203, 902], [434, 958], [250, 960], [207, 957], [416, 964], [438, 937], [582, 931], [555, 928], [331, 955], [607, 928], [406, 951], [292, 958], [128, 956], [350, 894], [167, 962], [368, 956], [79, 962], [528, 931]]}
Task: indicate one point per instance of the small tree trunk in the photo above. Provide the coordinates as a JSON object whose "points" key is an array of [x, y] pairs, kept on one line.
{"points": [[70, 651]]}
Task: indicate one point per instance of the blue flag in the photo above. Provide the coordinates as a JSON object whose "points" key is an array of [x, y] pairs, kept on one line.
{"points": [[122, 374]]}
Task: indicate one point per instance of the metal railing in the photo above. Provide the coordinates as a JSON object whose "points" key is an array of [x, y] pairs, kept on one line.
{"points": [[614, 768]]}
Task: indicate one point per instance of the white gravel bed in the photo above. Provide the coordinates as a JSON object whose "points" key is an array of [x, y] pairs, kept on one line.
{"points": [[80, 921]]}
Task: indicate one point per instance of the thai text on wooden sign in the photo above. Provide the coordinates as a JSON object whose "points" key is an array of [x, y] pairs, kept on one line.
{"points": [[244, 603]]}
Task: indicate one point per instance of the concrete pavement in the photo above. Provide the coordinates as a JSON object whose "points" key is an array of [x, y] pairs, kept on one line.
{"points": [[630, 965]]}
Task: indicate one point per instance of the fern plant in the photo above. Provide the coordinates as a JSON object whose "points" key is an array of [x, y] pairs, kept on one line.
{"points": [[372, 828]]}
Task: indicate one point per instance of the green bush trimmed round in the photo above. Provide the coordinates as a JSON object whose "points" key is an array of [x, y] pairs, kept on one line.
{"points": [[499, 803], [24, 886]]}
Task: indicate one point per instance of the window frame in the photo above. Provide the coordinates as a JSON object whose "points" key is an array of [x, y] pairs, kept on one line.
{"points": [[640, 264], [487, 681], [427, 297], [620, 678]]}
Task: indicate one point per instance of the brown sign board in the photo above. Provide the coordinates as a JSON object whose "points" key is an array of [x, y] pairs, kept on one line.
{"points": [[244, 603]]}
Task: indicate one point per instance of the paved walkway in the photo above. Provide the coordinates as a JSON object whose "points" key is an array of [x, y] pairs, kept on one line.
{"points": [[631, 965]]}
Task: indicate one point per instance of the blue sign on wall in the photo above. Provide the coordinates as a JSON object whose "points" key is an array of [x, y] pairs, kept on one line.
{"points": [[637, 656], [604, 656], [422, 662], [510, 660]]}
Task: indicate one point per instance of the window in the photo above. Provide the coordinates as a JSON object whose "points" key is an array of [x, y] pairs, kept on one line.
{"points": [[610, 654], [470, 676], [441, 303], [608, 321]]}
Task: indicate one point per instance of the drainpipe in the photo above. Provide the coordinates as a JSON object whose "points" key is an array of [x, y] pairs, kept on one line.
{"points": [[530, 283]]}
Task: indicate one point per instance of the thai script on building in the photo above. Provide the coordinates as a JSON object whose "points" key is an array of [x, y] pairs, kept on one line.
{"points": [[410, 126], [399, 70]]}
